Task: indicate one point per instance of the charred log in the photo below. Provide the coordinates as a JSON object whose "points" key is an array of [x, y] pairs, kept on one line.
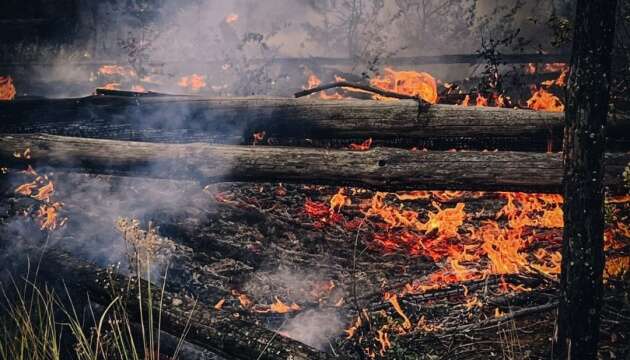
{"points": [[208, 328], [380, 168], [176, 119]]}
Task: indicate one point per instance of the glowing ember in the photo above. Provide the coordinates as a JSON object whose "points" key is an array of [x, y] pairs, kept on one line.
{"points": [[543, 100], [7, 89], [193, 82], [409, 83]]}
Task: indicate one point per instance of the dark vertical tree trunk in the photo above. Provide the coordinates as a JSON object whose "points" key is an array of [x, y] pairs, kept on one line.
{"points": [[587, 99]]}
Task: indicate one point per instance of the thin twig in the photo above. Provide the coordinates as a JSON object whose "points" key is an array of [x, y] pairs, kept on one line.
{"points": [[362, 87]]}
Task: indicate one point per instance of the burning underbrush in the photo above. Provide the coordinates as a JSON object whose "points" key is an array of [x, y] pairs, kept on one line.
{"points": [[425, 86], [344, 270]]}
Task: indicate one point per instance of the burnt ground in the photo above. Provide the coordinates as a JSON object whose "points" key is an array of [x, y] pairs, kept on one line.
{"points": [[245, 247]]}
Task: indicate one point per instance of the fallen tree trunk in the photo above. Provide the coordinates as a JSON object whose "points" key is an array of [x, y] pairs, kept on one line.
{"points": [[380, 168], [205, 327], [235, 120]]}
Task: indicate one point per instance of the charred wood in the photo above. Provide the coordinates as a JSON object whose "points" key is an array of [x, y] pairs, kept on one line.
{"points": [[379, 168], [174, 119], [208, 328]]}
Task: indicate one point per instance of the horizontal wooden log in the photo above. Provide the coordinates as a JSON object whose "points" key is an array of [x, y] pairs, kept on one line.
{"points": [[207, 328], [380, 168], [235, 120]]}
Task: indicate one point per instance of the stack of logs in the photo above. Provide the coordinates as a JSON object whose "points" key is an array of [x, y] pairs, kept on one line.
{"points": [[186, 137], [209, 140]]}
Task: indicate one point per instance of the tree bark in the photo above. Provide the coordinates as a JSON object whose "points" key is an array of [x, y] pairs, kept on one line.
{"points": [[380, 168], [235, 120], [587, 100], [208, 328]]}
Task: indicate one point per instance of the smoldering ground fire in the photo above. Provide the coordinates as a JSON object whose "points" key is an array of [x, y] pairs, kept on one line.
{"points": [[305, 180]]}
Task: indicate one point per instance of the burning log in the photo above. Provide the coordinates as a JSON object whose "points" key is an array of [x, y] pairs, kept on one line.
{"points": [[379, 168], [234, 121], [207, 328]]}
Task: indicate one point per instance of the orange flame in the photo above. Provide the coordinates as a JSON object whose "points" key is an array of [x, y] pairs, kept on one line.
{"points": [[314, 81], [111, 86], [409, 83], [481, 101], [116, 70], [393, 300], [279, 307], [49, 216], [542, 100], [231, 19], [7, 89], [193, 82], [339, 200], [364, 146]]}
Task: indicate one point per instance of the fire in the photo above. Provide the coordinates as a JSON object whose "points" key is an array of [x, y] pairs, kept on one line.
{"points": [[45, 192], [364, 146], [561, 81], [138, 88], [393, 300], [555, 67], [219, 304], [116, 70], [7, 89], [111, 86], [49, 215], [193, 82], [542, 100], [26, 189], [466, 101], [279, 307], [383, 340], [339, 200], [409, 83], [314, 81], [504, 245], [481, 101], [231, 19]]}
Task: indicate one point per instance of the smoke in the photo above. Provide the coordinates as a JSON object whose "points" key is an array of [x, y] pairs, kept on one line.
{"points": [[233, 43], [93, 205], [314, 328]]}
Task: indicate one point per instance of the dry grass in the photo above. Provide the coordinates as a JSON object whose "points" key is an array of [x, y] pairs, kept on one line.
{"points": [[36, 323]]}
